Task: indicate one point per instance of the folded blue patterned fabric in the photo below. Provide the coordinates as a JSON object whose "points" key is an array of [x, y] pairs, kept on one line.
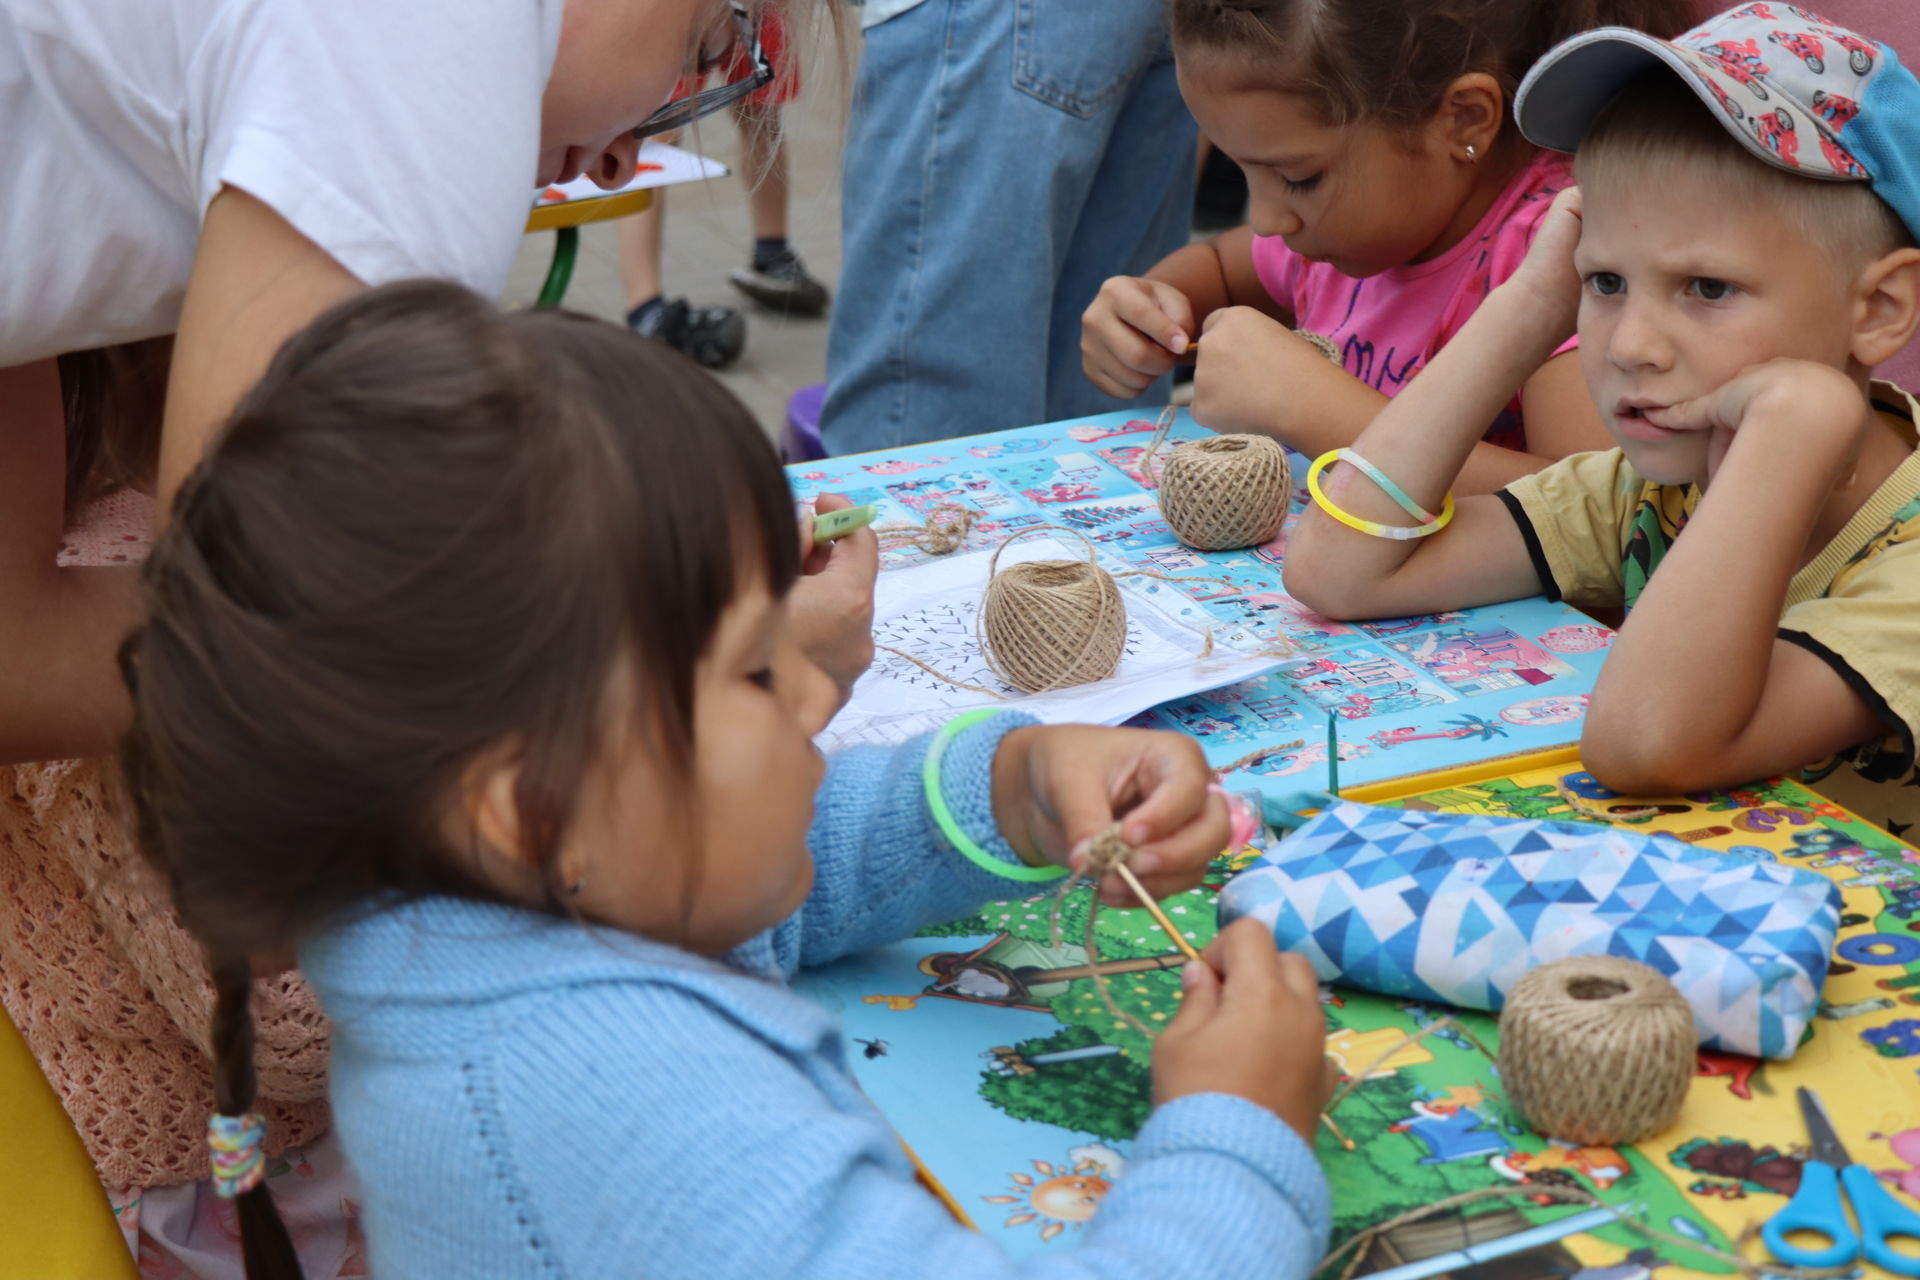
{"points": [[1455, 908]]}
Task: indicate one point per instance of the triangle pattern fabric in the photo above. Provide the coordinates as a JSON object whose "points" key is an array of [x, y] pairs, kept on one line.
{"points": [[1455, 908]]}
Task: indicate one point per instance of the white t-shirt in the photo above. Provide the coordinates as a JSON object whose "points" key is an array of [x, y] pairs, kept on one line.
{"points": [[401, 136]]}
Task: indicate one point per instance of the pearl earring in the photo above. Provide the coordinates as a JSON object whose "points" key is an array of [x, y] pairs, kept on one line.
{"points": [[1473, 154]]}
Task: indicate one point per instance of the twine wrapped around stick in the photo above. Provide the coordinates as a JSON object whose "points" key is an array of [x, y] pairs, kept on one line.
{"points": [[1107, 851], [1597, 1049]]}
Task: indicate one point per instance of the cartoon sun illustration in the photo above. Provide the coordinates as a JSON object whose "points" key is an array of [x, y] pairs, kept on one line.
{"points": [[1063, 1194]]}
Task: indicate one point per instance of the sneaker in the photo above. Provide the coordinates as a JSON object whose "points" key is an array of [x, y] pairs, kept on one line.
{"points": [[713, 336], [782, 285]]}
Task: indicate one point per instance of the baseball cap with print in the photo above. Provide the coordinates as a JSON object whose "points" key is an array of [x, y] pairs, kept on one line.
{"points": [[1798, 91]]}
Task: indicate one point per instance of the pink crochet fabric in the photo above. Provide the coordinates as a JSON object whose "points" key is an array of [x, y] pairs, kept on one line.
{"points": [[108, 988]]}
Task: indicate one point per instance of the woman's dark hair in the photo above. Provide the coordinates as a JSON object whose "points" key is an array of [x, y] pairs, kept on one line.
{"points": [[428, 534], [1391, 61]]}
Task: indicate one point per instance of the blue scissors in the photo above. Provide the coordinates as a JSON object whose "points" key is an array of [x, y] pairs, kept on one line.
{"points": [[1816, 1207]]}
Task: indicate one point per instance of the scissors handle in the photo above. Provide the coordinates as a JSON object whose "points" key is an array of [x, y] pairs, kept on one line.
{"points": [[1816, 1209], [1881, 1219]]}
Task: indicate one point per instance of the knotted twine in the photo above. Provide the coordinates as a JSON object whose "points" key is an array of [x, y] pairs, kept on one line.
{"points": [[1103, 853], [943, 533]]}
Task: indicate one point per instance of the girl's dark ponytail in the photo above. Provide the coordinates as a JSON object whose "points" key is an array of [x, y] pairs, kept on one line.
{"points": [[265, 1246]]}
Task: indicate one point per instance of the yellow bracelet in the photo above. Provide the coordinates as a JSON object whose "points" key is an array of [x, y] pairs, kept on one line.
{"points": [[1373, 528]]}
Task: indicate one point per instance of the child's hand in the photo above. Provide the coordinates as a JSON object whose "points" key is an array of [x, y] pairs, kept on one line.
{"points": [[1251, 372], [1133, 333], [1250, 1024], [1547, 277], [831, 608], [1818, 407], [1056, 787]]}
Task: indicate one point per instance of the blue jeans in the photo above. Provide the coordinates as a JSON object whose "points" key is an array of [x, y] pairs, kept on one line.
{"points": [[1004, 158]]}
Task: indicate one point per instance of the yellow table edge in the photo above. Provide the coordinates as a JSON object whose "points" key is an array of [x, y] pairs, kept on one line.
{"points": [[577, 213]]}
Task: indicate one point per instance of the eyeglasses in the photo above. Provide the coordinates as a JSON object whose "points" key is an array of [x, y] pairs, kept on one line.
{"points": [[684, 111]]}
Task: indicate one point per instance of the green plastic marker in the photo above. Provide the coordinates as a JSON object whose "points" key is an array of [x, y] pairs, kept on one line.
{"points": [[838, 524]]}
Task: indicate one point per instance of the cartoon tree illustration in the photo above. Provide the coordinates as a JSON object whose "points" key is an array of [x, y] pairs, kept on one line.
{"points": [[1108, 1096], [965, 927]]}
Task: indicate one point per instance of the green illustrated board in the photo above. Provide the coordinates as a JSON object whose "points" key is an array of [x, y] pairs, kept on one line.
{"points": [[989, 1047]]}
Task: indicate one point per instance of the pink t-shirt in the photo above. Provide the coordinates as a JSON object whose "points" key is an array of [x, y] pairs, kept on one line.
{"points": [[1387, 326]]}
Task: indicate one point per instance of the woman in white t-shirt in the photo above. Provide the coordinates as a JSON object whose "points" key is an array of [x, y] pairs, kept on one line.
{"points": [[188, 183], [223, 170]]}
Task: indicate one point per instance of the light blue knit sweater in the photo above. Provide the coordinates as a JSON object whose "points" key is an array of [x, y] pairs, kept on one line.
{"points": [[521, 1096]]}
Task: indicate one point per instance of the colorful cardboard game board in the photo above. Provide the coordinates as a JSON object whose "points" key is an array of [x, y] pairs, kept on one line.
{"points": [[990, 1050], [1412, 694]]}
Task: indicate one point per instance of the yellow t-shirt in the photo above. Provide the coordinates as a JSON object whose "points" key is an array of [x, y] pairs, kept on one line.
{"points": [[1597, 531]]}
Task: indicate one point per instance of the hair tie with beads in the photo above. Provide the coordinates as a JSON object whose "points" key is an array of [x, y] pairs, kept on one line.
{"points": [[236, 1146]]}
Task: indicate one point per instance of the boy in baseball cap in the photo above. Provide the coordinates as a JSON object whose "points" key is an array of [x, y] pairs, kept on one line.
{"points": [[1739, 255]]}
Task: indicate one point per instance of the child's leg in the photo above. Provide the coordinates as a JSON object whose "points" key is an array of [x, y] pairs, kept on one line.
{"points": [[715, 336], [640, 239], [775, 277], [764, 158]]}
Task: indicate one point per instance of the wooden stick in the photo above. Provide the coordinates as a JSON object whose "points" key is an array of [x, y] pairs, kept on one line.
{"points": [[1153, 909], [1334, 1129]]}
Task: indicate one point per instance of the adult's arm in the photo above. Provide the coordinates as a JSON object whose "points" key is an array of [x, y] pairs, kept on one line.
{"points": [[256, 281]]}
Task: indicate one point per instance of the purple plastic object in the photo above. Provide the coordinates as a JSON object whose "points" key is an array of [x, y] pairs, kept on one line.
{"points": [[802, 440]]}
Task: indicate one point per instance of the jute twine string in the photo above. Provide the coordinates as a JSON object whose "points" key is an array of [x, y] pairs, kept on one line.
{"points": [[943, 533], [1608, 1066], [1056, 609], [1048, 624], [1357, 1243], [1106, 851], [938, 674], [1597, 1049], [1226, 492]]}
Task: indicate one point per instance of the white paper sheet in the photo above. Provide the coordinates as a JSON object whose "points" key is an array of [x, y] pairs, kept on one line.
{"points": [[674, 166], [928, 610]]}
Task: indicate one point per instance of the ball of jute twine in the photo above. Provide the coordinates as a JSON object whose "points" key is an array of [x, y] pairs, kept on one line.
{"points": [[1597, 1049], [1050, 624], [1226, 492]]}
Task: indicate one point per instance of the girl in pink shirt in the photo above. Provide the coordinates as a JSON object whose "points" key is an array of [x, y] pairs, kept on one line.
{"points": [[1389, 195]]}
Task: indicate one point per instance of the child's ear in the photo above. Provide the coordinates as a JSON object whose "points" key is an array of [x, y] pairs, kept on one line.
{"points": [[1887, 307], [488, 809], [1471, 114]]}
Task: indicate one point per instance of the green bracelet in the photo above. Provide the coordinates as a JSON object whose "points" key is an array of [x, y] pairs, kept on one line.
{"points": [[943, 816]]}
